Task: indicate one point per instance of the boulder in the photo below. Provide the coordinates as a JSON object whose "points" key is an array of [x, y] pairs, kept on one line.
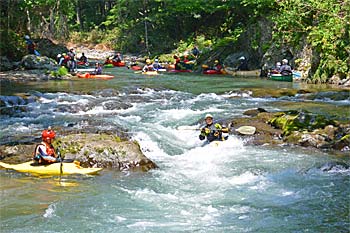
{"points": [[31, 62], [91, 150], [49, 49], [103, 150]]}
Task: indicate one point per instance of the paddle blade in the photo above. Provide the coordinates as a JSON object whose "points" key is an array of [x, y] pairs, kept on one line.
{"points": [[246, 130], [187, 127]]}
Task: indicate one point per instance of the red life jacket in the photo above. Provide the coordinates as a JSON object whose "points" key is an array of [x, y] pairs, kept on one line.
{"points": [[50, 150]]}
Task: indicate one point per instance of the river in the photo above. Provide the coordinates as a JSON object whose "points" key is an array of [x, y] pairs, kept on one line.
{"points": [[230, 188]]}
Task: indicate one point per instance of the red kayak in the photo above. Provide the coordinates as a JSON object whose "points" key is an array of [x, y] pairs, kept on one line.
{"points": [[212, 72], [136, 68], [98, 76], [81, 63], [115, 63]]}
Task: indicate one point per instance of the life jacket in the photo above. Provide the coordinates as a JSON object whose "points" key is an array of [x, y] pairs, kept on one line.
{"points": [[50, 150]]}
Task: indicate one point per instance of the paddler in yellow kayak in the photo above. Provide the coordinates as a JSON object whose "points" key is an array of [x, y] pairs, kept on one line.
{"points": [[212, 131], [44, 152]]}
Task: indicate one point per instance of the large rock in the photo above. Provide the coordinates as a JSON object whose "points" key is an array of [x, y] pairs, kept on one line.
{"points": [[31, 62], [103, 150], [49, 49], [91, 150]]}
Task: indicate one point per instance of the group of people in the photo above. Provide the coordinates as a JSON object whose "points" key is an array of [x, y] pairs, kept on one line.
{"points": [[45, 153], [283, 69], [68, 60]]}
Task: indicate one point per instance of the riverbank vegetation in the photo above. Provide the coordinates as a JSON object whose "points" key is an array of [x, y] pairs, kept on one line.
{"points": [[160, 27]]}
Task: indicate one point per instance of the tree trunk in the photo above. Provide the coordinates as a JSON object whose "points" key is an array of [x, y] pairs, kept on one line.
{"points": [[78, 12]]}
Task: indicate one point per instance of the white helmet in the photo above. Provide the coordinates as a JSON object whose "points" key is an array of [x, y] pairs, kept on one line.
{"points": [[278, 63], [285, 61], [156, 60], [59, 55], [208, 116], [242, 58], [26, 37]]}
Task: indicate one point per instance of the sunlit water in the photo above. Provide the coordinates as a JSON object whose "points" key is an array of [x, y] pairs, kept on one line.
{"points": [[227, 188]]}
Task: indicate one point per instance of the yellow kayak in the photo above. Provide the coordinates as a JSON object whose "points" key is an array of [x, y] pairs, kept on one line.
{"points": [[51, 169]]}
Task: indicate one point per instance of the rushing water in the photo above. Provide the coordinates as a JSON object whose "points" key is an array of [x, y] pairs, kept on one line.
{"points": [[230, 188]]}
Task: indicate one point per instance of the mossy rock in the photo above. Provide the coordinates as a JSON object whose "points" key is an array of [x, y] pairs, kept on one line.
{"points": [[298, 121]]}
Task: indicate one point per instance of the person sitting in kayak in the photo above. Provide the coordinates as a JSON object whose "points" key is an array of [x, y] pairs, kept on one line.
{"points": [[117, 57], [98, 69], [285, 68], [156, 65], [44, 152], [243, 63], [211, 131], [148, 66], [83, 58], [217, 66]]}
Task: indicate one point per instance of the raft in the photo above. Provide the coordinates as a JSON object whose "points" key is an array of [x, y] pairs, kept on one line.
{"points": [[96, 76], [51, 169], [280, 77]]}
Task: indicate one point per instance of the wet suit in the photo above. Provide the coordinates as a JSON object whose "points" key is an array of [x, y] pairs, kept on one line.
{"points": [[213, 132]]}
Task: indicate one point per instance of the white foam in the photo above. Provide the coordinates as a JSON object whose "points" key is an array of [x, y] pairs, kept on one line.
{"points": [[50, 211]]}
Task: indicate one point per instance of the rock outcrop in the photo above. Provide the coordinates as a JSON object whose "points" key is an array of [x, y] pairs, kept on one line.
{"points": [[91, 150]]}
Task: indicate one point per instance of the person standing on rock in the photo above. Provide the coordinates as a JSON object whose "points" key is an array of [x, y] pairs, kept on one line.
{"points": [[72, 63], [44, 152], [211, 131], [30, 45]]}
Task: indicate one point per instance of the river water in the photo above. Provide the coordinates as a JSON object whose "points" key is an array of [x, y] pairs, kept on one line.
{"points": [[230, 188]]}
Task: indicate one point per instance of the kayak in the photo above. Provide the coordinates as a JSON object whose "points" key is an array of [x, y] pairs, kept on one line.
{"points": [[212, 72], [86, 70], [108, 66], [116, 63], [51, 169], [280, 77], [98, 76], [136, 67], [81, 63], [150, 73]]}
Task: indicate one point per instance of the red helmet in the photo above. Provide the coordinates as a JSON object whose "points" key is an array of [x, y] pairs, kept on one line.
{"points": [[48, 134]]}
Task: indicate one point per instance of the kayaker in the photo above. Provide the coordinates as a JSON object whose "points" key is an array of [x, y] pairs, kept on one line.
{"points": [[211, 131], [44, 152], [148, 66], [195, 51], [217, 66], [285, 68], [117, 57], [98, 69], [243, 64], [83, 58], [156, 65]]}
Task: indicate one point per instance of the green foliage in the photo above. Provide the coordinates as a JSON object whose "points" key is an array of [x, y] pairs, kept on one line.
{"points": [[326, 26], [12, 45]]}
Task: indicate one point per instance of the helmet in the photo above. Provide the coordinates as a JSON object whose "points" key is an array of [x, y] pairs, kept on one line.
{"points": [[216, 61], [26, 37], [59, 55], [242, 58], [156, 60], [208, 116], [285, 61], [278, 64], [48, 134], [148, 61]]}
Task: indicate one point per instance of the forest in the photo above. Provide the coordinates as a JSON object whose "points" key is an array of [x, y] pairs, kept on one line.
{"points": [[154, 27]]}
